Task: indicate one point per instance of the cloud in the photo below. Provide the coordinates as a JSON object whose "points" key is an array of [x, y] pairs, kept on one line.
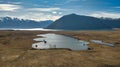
{"points": [[14, 2], [33, 16], [106, 15], [38, 14], [54, 12], [44, 9], [60, 13], [9, 7], [1, 1], [117, 7], [69, 1], [74, 0], [40, 17]]}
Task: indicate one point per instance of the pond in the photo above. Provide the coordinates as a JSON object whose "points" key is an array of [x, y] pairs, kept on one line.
{"points": [[59, 41], [102, 43]]}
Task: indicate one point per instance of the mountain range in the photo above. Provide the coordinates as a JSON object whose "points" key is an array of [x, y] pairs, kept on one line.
{"points": [[80, 22], [8, 22], [67, 22]]}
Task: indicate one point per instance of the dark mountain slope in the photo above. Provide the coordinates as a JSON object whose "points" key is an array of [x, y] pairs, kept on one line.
{"points": [[79, 22]]}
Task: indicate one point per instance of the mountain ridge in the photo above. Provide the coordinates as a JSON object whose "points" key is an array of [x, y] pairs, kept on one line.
{"points": [[8, 22], [81, 22]]}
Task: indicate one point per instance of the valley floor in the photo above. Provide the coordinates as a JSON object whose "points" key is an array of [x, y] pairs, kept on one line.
{"points": [[15, 50]]}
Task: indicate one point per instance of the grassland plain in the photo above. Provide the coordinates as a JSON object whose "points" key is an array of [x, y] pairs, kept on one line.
{"points": [[15, 50]]}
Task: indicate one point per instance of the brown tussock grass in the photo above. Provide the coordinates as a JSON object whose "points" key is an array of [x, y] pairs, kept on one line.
{"points": [[15, 50]]}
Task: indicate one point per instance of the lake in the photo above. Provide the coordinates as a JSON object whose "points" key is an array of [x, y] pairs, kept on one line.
{"points": [[61, 41], [29, 29], [42, 29]]}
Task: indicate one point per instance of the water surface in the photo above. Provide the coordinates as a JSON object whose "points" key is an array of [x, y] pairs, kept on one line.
{"points": [[61, 41]]}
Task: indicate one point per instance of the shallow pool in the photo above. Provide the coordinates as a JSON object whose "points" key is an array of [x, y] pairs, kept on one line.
{"points": [[61, 41]]}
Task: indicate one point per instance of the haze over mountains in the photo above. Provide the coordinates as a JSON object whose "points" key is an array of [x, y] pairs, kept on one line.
{"points": [[67, 22], [8, 22], [79, 22]]}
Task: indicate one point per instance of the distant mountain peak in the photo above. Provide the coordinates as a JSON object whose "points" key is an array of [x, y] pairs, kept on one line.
{"points": [[73, 14], [76, 15], [80, 22], [8, 22]]}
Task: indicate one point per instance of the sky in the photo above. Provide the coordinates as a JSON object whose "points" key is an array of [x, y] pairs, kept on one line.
{"points": [[40, 10]]}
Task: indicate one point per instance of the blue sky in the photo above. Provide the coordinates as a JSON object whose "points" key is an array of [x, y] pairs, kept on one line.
{"points": [[54, 9]]}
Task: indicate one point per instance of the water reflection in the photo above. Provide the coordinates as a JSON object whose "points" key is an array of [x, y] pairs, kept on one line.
{"points": [[61, 41]]}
